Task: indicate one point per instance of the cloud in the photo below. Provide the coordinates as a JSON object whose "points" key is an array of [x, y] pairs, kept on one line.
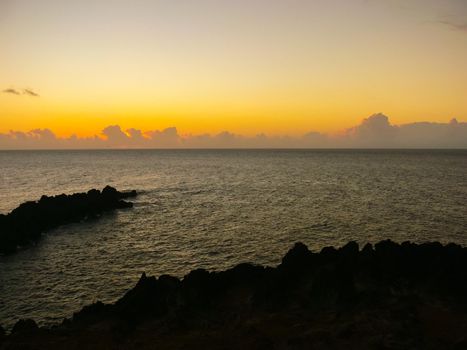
{"points": [[167, 138], [11, 91], [456, 25], [375, 131], [30, 93], [433, 135], [135, 134], [115, 136], [451, 13]]}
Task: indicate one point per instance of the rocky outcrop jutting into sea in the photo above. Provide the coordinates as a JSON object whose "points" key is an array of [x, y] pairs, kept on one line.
{"points": [[25, 224], [390, 296]]}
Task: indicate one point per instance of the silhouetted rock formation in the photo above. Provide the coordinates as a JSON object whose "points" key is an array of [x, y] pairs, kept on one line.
{"points": [[25, 327], [390, 296], [2, 334], [25, 224]]}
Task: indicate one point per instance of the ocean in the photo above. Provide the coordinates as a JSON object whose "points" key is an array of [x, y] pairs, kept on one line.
{"points": [[213, 209]]}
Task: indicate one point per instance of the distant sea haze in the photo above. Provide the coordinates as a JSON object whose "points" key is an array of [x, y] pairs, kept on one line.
{"points": [[214, 209], [375, 131]]}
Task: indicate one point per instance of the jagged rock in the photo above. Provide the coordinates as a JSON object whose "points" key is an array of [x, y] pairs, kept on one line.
{"points": [[246, 274], [350, 250], [367, 250], [146, 299], [297, 257], [91, 313], [25, 224], [392, 296], [24, 327], [2, 334]]}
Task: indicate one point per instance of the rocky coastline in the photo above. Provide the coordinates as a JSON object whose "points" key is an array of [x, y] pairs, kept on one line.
{"points": [[24, 225], [386, 296]]}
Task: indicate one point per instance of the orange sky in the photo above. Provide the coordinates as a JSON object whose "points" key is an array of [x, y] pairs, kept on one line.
{"points": [[246, 66]]}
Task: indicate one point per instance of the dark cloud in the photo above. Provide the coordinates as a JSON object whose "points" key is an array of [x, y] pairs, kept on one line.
{"points": [[11, 91], [451, 13], [456, 25], [30, 93]]}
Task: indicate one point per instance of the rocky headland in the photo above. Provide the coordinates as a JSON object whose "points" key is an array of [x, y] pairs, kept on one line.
{"points": [[25, 224], [386, 296]]}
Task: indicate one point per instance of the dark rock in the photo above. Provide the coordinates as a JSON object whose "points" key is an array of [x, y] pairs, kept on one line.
{"points": [[92, 313], [150, 298], [367, 251], [350, 250], [109, 191], [198, 278], [25, 224], [197, 288], [242, 274], [297, 257], [26, 326], [387, 247], [328, 253], [129, 194], [404, 296]]}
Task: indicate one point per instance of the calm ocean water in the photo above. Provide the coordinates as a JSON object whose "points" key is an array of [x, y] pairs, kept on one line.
{"points": [[214, 209]]}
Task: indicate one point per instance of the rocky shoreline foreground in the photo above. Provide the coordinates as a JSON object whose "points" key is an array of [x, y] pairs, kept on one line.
{"points": [[24, 225], [386, 296]]}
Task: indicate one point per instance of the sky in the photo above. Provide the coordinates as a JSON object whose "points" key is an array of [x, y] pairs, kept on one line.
{"points": [[277, 69]]}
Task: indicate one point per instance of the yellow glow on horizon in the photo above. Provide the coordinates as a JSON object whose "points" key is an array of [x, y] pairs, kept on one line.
{"points": [[279, 70]]}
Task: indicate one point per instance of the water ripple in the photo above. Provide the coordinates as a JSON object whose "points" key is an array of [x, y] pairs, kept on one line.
{"points": [[214, 209]]}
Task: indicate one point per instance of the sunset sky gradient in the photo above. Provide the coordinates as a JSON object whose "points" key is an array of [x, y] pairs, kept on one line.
{"points": [[249, 67]]}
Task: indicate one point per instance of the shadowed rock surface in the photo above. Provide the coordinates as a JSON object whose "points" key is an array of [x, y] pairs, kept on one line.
{"points": [[390, 296], [25, 224]]}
